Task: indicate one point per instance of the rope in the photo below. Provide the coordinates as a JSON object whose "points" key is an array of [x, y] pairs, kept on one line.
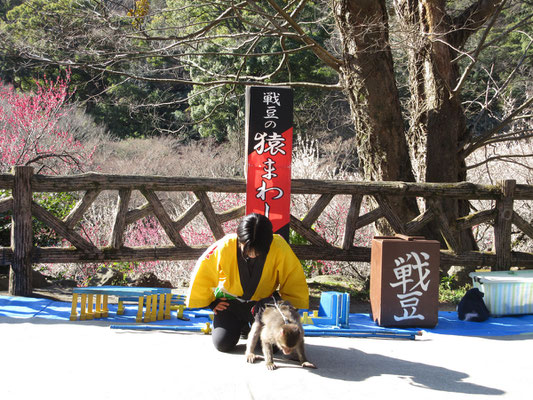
{"points": [[285, 321]]}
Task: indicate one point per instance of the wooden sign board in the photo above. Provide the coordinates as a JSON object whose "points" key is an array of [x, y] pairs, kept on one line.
{"points": [[404, 281], [269, 125]]}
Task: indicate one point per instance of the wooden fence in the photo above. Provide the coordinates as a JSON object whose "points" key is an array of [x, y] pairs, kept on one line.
{"points": [[23, 183]]}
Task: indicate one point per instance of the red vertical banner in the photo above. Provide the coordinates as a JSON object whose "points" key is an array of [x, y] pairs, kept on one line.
{"points": [[269, 120]]}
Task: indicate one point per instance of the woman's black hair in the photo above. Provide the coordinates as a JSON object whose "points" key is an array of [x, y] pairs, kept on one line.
{"points": [[255, 232]]}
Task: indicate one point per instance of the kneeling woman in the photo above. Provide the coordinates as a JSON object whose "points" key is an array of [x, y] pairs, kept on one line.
{"points": [[250, 265]]}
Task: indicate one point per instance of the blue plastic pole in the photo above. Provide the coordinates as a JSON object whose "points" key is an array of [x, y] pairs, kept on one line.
{"points": [[205, 329], [310, 332], [362, 333]]}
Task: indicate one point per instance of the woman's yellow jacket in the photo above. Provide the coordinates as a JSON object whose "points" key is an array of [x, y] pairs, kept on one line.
{"points": [[218, 265]]}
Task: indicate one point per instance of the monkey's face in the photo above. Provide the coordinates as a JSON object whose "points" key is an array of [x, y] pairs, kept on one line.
{"points": [[289, 337], [287, 350]]}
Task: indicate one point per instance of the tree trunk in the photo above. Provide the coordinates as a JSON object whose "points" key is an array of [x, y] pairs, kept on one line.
{"points": [[438, 123], [367, 74], [433, 75]]}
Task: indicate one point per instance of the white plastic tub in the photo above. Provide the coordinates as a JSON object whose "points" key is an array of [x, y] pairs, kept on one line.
{"points": [[506, 292]]}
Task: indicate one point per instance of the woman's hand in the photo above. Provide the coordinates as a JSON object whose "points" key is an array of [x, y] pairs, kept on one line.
{"points": [[221, 306]]}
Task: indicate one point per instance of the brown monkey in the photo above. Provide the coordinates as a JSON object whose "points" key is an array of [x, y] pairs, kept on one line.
{"points": [[279, 324]]}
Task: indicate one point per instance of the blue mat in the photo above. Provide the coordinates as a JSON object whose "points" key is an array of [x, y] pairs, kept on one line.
{"points": [[448, 323]]}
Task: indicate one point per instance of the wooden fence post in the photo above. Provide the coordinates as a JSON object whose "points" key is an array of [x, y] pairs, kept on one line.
{"points": [[20, 277], [503, 225]]}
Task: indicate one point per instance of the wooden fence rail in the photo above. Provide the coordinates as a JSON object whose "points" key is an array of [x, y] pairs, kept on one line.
{"points": [[23, 183]]}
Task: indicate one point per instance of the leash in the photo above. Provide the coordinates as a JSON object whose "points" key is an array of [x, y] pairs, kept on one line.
{"points": [[285, 321]]}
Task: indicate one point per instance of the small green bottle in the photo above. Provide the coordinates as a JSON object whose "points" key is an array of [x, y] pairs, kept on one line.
{"points": [[219, 293]]}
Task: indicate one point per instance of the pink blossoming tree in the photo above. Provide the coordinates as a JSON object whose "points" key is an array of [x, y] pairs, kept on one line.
{"points": [[34, 130]]}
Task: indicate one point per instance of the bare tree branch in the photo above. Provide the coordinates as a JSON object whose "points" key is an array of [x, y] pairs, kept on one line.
{"points": [[524, 22], [509, 158], [469, 21], [478, 49], [144, 78], [482, 139], [320, 52]]}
